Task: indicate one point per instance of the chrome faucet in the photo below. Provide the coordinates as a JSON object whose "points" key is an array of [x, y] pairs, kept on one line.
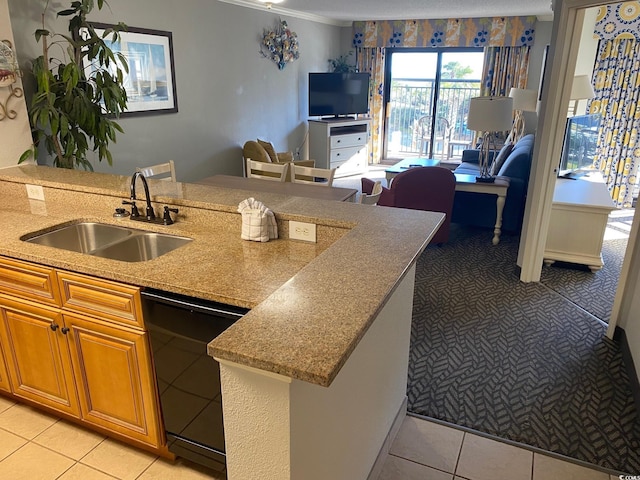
{"points": [[151, 215]]}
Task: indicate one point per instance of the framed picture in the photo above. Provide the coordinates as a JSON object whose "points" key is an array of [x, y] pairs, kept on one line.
{"points": [[150, 83]]}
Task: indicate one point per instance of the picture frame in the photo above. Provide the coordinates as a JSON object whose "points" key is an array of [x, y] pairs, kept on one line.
{"points": [[150, 83]]}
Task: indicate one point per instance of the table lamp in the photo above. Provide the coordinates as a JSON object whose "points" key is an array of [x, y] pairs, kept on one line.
{"points": [[489, 115], [523, 101], [581, 89]]}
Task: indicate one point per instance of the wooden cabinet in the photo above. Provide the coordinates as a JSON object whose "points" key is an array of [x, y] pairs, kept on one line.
{"points": [[5, 386], [115, 379], [38, 356], [83, 351], [339, 144]]}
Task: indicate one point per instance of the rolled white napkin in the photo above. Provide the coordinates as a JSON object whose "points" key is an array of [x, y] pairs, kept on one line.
{"points": [[258, 222]]}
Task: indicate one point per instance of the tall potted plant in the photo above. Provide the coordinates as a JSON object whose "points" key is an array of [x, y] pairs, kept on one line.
{"points": [[78, 95]]}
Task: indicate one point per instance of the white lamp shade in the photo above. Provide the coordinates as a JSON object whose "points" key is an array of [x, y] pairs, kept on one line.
{"points": [[524, 100], [490, 114], [581, 88]]}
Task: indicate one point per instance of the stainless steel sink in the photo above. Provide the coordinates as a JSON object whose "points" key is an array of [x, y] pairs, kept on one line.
{"points": [[82, 237], [109, 241], [142, 247]]}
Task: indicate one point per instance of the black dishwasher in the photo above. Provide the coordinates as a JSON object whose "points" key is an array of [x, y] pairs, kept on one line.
{"points": [[188, 378]]}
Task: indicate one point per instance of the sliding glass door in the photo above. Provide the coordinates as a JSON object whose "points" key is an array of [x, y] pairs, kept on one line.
{"points": [[427, 101]]}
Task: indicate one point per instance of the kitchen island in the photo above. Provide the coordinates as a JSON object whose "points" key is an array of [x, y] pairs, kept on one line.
{"points": [[314, 376]]}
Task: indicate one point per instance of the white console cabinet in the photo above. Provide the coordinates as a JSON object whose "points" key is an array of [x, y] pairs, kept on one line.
{"points": [[578, 221], [339, 144]]}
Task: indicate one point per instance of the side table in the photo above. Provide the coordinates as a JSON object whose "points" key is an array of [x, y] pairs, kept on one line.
{"points": [[406, 164], [468, 183]]}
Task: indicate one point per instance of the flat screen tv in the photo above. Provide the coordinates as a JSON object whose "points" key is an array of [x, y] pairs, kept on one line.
{"points": [[338, 94], [579, 148]]}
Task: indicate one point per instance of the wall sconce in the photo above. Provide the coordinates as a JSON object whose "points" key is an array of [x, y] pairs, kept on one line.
{"points": [[9, 73]]}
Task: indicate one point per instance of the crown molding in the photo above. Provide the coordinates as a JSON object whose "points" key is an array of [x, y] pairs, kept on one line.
{"points": [[291, 13]]}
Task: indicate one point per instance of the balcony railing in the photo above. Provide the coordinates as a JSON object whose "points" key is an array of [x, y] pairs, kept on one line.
{"points": [[412, 99]]}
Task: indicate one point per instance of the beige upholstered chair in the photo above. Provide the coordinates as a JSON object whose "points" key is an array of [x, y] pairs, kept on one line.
{"points": [[257, 152], [373, 197], [267, 171], [310, 175], [161, 171]]}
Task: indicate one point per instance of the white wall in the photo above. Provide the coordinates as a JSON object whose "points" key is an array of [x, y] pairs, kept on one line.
{"points": [[15, 135], [586, 52], [227, 92], [630, 317]]}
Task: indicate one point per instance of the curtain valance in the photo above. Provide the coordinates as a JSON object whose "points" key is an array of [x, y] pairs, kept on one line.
{"points": [[464, 32], [620, 21]]}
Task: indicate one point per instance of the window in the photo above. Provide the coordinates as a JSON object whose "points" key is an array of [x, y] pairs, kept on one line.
{"points": [[432, 87]]}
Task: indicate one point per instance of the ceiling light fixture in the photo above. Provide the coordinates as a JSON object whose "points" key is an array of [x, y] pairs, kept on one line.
{"points": [[270, 3]]}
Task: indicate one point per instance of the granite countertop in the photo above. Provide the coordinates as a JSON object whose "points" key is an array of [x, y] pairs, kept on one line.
{"points": [[310, 303]]}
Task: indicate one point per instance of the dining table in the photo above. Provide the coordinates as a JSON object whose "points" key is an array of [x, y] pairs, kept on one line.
{"points": [[321, 192]]}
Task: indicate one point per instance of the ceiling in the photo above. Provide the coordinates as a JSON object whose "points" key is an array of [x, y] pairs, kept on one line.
{"points": [[343, 12]]}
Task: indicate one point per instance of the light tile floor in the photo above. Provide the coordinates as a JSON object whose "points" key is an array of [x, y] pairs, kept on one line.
{"points": [[425, 450], [37, 446]]}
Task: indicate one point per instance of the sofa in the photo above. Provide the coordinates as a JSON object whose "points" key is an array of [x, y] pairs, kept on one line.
{"points": [[479, 209]]}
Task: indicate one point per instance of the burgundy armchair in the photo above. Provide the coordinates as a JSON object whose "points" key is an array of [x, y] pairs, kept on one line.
{"points": [[421, 188]]}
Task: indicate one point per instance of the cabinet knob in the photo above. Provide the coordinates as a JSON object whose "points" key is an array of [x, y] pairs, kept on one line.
{"points": [[64, 330], [54, 326]]}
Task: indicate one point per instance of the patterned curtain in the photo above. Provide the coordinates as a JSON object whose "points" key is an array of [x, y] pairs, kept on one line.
{"points": [[452, 32], [617, 89], [372, 60], [504, 68], [617, 97], [370, 38]]}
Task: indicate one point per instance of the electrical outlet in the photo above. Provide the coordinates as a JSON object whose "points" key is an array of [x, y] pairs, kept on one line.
{"points": [[302, 231], [35, 192]]}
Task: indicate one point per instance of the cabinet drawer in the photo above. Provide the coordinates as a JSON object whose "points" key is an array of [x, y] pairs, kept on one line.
{"points": [[344, 154], [357, 163], [348, 140], [30, 282], [107, 300]]}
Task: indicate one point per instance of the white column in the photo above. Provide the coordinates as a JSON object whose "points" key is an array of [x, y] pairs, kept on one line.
{"points": [[285, 429]]}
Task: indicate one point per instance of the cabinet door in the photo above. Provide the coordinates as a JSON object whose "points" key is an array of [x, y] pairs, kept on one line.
{"points": [[116, 386], [4, 376], [37, 355]]}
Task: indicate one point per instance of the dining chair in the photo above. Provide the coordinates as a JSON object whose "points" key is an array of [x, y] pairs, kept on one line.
{"points": [[373, 197], [311, 175], [267, 171], [160, 171]]}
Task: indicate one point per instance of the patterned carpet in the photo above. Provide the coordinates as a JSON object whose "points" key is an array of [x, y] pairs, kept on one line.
{"points": [[518, 360], [594, 292]]}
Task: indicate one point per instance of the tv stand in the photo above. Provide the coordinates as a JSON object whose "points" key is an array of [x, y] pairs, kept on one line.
{"points": [[340, 143]]}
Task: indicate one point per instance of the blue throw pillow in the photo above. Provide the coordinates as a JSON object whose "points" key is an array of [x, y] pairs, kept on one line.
{"points": [[498, 162]]}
